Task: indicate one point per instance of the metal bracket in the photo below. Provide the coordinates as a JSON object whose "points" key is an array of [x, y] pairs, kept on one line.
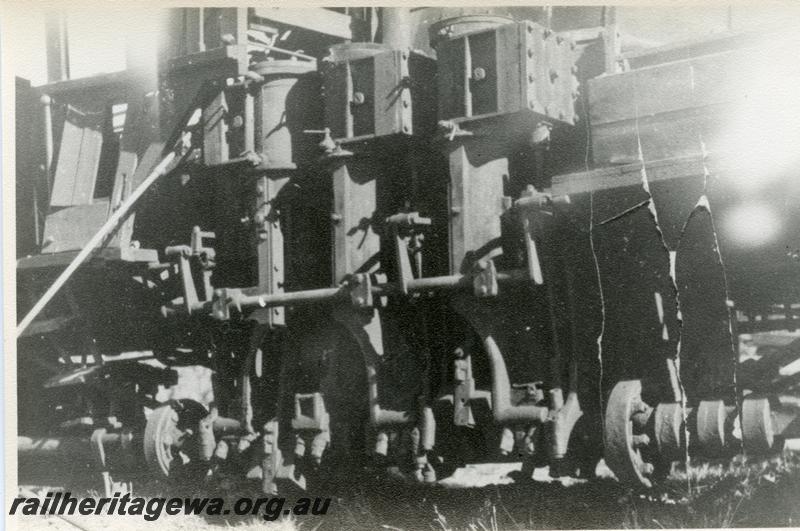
{"points": [[222, 301], [463, 390], [453, 130], [410, 221], [531, 206], [205, 255], [317, 420], [328, 145], [485, 280], [271, 458], [360, 286]]}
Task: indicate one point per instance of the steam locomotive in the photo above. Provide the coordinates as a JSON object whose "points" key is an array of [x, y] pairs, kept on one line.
{"points": [[405, 239]]}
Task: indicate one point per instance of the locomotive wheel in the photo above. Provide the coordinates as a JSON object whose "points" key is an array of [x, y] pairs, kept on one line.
{"points": [[169, 442], [625, 439], [757, 431], [711, 417]]}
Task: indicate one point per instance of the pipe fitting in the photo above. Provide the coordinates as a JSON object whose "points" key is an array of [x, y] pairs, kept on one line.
{"points": [[563, 422], [502, 410]]}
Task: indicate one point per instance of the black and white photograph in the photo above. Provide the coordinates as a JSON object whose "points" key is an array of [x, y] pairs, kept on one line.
{"points": [[311, 267]]}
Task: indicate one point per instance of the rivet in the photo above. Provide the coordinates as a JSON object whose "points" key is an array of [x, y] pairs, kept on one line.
{"points": [[358, 98], [479, 74]]}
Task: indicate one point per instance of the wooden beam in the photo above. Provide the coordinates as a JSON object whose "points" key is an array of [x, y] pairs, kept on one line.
{"points": [[315, 19], [660, 170]]}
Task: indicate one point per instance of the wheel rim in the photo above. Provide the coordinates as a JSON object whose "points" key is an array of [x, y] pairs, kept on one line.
{"points": [[757, 431], [169, 436], [625, 437]]}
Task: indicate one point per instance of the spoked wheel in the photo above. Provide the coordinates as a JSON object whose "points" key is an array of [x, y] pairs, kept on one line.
{"points": [[170, 437], [626, 440]]}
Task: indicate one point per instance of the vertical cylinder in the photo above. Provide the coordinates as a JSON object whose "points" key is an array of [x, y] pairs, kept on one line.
{"points": [[279, 120], [57, 47], [249, 122], [48, 141], [396, 27]]}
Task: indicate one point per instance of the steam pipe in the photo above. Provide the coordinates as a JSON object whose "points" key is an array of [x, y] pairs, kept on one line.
{"points": [[68, 447], [448, 282], [502, 409]]}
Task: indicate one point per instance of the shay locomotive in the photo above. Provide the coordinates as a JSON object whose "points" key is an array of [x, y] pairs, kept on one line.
{"points": [[403, 239]]}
